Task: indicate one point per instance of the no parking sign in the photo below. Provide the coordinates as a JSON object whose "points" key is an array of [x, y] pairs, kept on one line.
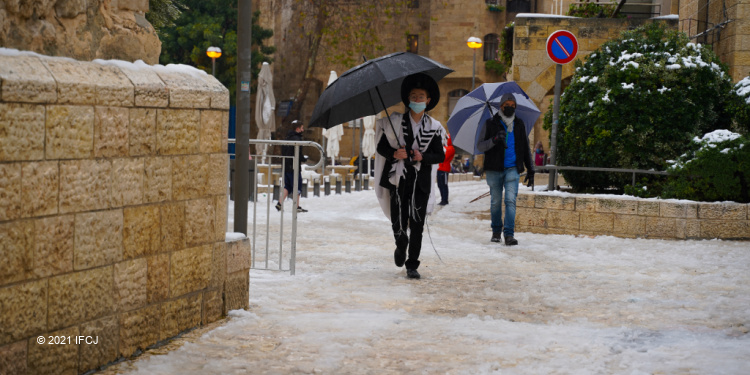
{"points": [[562, 46]]}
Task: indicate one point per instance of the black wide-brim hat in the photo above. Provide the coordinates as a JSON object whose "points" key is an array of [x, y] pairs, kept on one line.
{"points": [[420, 81]]}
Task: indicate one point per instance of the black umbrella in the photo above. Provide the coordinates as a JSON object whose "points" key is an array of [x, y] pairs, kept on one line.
{"points": [[371, 87]]}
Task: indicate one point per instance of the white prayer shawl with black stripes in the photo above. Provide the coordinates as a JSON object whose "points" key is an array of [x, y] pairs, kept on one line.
{"points": [[426, 130]]}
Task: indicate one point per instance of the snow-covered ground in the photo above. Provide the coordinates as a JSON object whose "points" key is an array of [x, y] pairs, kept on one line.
{"points": [[554, 304]]}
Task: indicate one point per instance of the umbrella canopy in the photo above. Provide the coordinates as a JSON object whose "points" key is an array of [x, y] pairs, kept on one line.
{"points": [[354, 95], [265, 103], [475, 108]]}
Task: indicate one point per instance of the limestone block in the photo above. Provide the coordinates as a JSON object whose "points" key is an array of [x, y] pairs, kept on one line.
{"points": [[217, 92], [190, 270], [111, 132], [98, 238], [212, 138], [692, 228], [16, 247], [186, 90], [648, 208], [130, 283], [22, 129], [177, 131], [521, 31], [200, 227], [142, 131], [189, 176], [724, 211], [563, 219], [40, 188], [179, 315], [672, 209], [237, 291], [531, 217], [79, 297], [597, 222], [25, 79], [76, 81], [13, 358], [554, 202], [157, 184], [53, 245], [139, 329], [617, 206], [221, 217], [238, 256], [24, 311], [586, 204], [113, 88], [150, 90], [102, 345], [725, 229], [157, 283], [630, 224], [54, 359], [69, 132], [172, 226], [218, 265], [127, 182], [140, 234], [213, 306], [10, 191], [661, 227], [525, 200], [85, 185], [70, 8]]}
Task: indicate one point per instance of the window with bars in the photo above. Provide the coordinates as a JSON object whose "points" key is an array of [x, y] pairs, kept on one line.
{"points": [[412, 43], [490, 47], [492, 2], [413, 4]]}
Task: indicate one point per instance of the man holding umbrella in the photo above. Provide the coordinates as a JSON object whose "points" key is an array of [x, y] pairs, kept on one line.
{"points": [[506, 150], [408, 152]]}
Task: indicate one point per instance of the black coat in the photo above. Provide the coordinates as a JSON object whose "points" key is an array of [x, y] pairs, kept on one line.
{"points": [[494, 154], [288, 150], [434, 154]]}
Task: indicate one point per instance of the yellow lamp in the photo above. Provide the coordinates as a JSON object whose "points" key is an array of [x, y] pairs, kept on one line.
{"points": [[213, 53], [475, 44]]}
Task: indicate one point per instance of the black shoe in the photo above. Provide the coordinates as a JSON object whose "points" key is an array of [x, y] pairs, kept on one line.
{"points": [[412, 274], [442, 203], [496, 237], [510, 241], [399, 256], [300, 209], [278, 206]]}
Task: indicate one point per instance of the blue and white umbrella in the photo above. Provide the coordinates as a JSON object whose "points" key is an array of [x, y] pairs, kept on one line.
{"points": [[473, 110]]}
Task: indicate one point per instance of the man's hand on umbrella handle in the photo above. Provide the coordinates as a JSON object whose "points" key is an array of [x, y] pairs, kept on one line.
{"points": [[400, 154], [416, 156]]}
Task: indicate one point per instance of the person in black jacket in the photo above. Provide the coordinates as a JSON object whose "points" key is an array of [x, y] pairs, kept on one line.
{"points": [[409, 149], [288, 150], [506, 151]]}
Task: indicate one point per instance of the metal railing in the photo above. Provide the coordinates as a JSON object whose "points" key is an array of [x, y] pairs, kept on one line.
{"points": [[598, 169], [271, 168]]}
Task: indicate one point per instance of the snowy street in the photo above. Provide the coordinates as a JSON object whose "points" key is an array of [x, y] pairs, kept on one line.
{"points": [[554, 304]]}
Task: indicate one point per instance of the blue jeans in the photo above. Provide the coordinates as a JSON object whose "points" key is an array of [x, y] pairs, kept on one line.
{"points": [[508, 180]]}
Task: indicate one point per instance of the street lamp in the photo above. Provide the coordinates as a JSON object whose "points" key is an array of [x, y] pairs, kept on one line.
{"points": [[475, 44], [213, 53]]}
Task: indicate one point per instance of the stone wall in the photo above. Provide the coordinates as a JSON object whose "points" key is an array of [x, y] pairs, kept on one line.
{"points": [[112, 210], [631, 218]]}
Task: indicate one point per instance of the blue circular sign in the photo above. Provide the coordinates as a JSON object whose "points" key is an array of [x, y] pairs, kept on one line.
{"points": [[562, 46]]}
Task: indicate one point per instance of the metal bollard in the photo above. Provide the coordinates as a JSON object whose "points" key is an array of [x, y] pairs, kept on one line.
{"points": [[316, 187], [338, 185], [276, 189], [367, 183], [327, 187], [358, 184], [348, 186], [303, 188]]}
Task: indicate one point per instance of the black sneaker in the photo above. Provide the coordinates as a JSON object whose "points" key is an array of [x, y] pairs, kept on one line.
{"points": [[442, 203], [300, 209], [278, 206], [510, 241], [399, 256], [496, 237], [412, 274]]}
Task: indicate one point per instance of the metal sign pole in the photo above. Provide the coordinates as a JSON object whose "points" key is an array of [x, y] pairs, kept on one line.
{"points": [[242, 147], [552, 185]]}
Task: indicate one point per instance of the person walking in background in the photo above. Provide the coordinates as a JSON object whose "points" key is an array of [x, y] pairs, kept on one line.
{"points": [[288, 150], [444, 169], [410, 147], [505, 145], [539, 156]]}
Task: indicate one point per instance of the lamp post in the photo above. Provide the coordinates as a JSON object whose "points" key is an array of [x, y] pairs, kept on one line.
{"points": [[475, 44], [214, 53]]}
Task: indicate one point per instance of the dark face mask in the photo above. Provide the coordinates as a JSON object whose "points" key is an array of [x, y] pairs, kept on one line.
{"points": [[508, 111]]}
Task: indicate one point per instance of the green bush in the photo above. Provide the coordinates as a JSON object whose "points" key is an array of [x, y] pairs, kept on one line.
{"points": [[715, 168], [741, 106], [590, 9], [636, 102]]}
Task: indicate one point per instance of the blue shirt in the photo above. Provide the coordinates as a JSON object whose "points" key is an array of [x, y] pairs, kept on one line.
{"points": [[510, 152]]}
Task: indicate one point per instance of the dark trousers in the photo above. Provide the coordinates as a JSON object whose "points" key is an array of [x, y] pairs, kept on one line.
{"points": [[442, 181], [402, 218]]}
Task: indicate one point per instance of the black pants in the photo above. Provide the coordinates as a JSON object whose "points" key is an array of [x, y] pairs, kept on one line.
{"points": [[403, 218], [442, 182]]}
